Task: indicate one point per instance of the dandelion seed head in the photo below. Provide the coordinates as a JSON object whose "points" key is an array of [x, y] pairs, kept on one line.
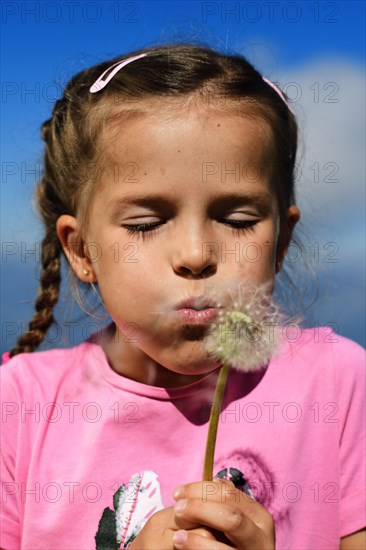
{"points": [[245, 335]]}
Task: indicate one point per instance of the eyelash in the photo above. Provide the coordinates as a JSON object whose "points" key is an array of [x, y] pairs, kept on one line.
{"points": [[146, 229], [143, 229], [242, 226]]}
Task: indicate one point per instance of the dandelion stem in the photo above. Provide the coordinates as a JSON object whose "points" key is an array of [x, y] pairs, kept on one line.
{"points": [[214, 420]]}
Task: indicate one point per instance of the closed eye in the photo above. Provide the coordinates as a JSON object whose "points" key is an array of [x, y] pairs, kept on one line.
{"points": [[143, 228], [241, 226]]}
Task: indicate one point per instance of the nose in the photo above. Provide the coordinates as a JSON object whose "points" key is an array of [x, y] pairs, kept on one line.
{"points": [[195, 258]]}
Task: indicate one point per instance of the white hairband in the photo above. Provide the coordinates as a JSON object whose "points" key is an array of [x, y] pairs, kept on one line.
{"points": [[101, 82]]}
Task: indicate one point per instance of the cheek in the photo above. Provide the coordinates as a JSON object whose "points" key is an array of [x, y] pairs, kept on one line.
{"points": [[258, 254], [257, 266], [126, 274], [113, 258]]}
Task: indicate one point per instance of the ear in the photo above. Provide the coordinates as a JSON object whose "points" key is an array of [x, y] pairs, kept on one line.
{"points": [[73, 246], [292, 217]]}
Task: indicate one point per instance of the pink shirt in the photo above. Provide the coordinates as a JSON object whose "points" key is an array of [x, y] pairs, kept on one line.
{"points": [[87, 451]]}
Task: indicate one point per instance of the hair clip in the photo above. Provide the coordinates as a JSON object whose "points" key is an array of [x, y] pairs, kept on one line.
{"points": [[278, 91], [101, 82]]}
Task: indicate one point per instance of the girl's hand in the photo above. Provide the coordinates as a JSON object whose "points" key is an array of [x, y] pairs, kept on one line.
{"points": [[238, 520], [158, 531]]}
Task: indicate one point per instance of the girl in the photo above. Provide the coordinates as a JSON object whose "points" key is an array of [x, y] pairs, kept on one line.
{"points": [[162, 169]]}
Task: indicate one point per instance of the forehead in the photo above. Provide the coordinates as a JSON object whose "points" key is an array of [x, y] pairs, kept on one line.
{"points": [[193, 135]]}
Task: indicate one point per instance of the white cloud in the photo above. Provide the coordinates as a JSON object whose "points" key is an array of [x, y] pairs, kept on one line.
{"points": [[331, 116]]}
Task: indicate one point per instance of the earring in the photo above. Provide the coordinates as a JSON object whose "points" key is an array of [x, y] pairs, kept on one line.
{"points": [[86, 271]]}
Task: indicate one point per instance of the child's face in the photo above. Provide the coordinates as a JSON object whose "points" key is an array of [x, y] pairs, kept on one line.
{"points": [[199, 177]]}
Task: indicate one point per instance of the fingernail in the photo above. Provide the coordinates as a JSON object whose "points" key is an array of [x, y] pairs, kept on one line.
{"points": [[180, 505], [179, 537], [178, 492]]}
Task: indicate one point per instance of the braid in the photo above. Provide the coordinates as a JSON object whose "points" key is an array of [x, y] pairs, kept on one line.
{"points": [[47, 296], [51, 203]]}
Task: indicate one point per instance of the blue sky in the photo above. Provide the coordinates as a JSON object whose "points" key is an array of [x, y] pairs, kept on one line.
{"points": [[314, 49]]}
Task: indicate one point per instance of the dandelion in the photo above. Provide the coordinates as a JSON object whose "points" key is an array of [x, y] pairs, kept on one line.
{"points": [[244, 337]]}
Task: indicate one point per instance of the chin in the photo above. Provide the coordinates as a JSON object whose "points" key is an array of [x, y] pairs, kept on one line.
{"points": [[193, 367]]}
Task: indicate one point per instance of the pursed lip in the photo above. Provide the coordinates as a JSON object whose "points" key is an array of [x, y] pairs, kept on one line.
{"points": [[197, 303], [198, 311]]}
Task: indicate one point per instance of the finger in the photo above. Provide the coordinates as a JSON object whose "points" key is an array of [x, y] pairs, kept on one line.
{"points": [[218, 490], [202, 532], [180, 520], [167, 518], [190, 540], [230, 520]]}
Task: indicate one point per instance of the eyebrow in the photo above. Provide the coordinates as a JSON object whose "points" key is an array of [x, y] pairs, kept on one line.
{"points": [[261, 200], [152, 199]]}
